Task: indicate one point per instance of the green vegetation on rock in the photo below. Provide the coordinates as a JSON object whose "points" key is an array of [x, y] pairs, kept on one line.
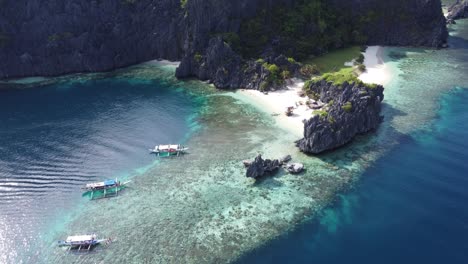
{"points": [[347, 107], [340, 77], [276, 76], [321, 113], [286, 74], [335, 60], [198, 57], [308, 27], [291, 60]]}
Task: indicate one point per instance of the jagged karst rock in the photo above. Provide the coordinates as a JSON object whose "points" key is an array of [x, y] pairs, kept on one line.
{"points": [[87, 35], [226, 69], [260, 167], [457, 10], [353, 109]]}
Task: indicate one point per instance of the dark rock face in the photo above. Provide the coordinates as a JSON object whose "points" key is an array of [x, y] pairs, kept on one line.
{"points": [[401, 22], [458, 10], [353, 109], [226, 69], [396, 22], [260, 167], [57, 37]]}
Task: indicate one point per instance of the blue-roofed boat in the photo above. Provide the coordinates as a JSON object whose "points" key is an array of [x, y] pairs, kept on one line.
{"points": [[82, 242], [104, 189]]}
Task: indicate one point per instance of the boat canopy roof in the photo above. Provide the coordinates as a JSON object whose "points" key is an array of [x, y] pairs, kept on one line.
{"points": [[101, 184], [110, 182], [81, 238], [168, 147]]}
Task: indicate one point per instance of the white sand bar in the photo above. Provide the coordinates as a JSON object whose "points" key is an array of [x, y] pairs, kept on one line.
{"points": [[376, 70]]}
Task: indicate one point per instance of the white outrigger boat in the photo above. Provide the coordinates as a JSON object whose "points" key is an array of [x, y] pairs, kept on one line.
{"points": [[85, 242], [168, 150], [107, 187]]}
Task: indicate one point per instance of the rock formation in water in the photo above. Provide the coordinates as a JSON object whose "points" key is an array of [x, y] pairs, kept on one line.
{"points": [[352, 109], [260, 167], [458, 10], [57, 37]]}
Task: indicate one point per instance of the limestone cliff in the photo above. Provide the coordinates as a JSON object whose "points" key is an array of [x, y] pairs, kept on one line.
{"points": [[458, 10], [63, 36], [352, 109]]}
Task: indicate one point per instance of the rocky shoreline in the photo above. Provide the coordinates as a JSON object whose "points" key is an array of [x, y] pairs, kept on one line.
{"points": [[352, 109]]}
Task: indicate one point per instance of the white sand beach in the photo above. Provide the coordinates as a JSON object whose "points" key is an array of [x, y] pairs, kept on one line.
{"points": [[163, 63], [276, 103], [376, 70]]}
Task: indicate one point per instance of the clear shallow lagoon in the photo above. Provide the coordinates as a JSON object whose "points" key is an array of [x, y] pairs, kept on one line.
{"points": [[198, 208]]}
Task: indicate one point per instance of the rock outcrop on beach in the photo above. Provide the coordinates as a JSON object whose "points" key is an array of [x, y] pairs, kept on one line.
{"points": [[458, 10], [353, 108], [57, 37]]}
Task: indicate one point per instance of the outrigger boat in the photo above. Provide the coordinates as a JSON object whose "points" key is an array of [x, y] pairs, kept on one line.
{"points": [[82, 242], [169, 150], [105, 188]]}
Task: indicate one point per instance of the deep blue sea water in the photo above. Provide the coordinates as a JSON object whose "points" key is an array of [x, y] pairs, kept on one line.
{"points": [[410, 207], [56, 138]]}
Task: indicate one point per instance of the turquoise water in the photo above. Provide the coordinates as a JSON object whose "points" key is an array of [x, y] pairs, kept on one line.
{"points": [[57, 137], [200, 208]]}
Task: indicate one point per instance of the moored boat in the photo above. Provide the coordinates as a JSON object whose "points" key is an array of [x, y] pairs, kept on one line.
{"points": [[104, 188], [82, 242], [169, 150]]}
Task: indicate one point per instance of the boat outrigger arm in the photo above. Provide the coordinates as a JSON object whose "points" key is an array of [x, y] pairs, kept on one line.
{"points": [[85, 242], [169, 150]]}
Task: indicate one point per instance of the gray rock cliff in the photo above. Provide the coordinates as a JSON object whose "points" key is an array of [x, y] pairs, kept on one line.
{"points": [[64, 36], [352, 109], [458, 10]]}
